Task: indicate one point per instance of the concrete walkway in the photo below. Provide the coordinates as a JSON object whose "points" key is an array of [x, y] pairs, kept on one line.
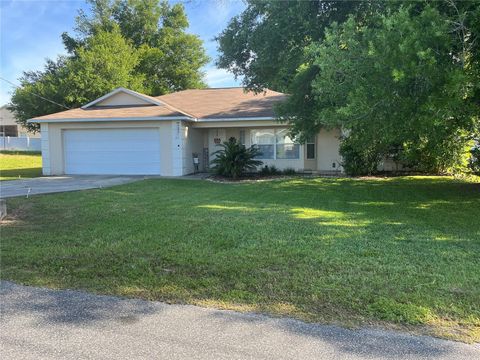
{"points": [[47, 324], [53, 184]]}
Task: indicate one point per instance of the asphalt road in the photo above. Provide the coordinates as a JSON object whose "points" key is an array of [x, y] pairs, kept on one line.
{"points": [[49, 324]]}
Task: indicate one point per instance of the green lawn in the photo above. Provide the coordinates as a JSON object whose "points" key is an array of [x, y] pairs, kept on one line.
{"points": [[18, 164], [401, 252]]}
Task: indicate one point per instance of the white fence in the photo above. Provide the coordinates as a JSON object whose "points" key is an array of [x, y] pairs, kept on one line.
{"points": [[20, 143]]}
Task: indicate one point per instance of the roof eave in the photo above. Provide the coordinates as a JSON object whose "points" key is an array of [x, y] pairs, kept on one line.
{"points": [[151, 118], [248, 118]]}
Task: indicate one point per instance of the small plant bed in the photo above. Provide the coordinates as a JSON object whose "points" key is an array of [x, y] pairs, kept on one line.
{"points": [[234, 162], [257, 177], [253, 178], [264, 173]]}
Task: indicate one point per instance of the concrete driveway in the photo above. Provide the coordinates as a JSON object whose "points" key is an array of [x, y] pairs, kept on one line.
{"points": [[53, 184], [49, 324]]}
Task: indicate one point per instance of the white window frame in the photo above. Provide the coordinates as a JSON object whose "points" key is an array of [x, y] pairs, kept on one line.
{"points": [[242, 137], [274, 144], [252, 143]]}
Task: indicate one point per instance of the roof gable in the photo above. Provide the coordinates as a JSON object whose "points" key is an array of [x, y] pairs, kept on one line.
{"points": [[123, 97]]}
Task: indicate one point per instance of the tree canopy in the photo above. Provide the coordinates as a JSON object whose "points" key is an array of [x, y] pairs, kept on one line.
{"points": [[401, 79], [139, 44]]}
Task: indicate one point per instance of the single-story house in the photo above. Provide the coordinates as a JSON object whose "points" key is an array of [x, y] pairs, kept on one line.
{"points": [[9, 126], [126, 132]]}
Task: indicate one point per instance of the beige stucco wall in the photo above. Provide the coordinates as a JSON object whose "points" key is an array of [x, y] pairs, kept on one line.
{"points": [[327, 147], [122, 98], [7, 118], [53, 160], [192, 143], [222, 134], [327, 152], [179, 139]]}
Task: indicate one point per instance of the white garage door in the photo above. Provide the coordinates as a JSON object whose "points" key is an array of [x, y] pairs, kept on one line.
{"points": [[112, 151]]}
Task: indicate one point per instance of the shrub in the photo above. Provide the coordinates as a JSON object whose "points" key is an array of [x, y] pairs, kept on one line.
{"points": [[265, 170], [274, 170], [359, 160], [269, 170], [474, 163], [234, 159], [289, 171]]}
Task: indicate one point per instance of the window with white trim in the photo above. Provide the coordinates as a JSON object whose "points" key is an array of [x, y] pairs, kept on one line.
{"points": [[286, 148], [241, 139], [264, 139], [274, 144], [310, 145]]}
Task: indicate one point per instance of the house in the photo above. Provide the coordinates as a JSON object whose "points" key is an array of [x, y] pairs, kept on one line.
{"points": [[125, 132], [9, 127]]}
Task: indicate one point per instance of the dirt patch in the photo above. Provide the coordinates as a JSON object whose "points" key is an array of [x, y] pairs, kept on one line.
{"points": [[16, 215]]}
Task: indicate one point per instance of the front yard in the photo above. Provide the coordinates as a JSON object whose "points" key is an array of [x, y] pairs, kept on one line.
{"points": [[20, 164], [401, 252]]}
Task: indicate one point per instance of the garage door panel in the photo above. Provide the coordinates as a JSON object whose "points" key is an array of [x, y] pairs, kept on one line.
{"points": [[102, 144], [102, 155], [112, 151], [86, 147]]}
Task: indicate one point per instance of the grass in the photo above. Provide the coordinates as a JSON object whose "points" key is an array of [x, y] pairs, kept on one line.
{"points": [[400, 252], [20, 164]]}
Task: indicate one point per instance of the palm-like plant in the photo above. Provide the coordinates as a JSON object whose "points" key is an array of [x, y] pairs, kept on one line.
{"points": [[234, 159]]}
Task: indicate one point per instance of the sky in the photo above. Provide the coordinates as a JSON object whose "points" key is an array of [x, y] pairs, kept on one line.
{"points": [[30, 32]]}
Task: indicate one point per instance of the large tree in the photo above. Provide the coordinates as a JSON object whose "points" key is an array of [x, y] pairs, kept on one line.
{"points": [[265, 44], [400, 78], [139, 44], [170, 58], [103, 62]]}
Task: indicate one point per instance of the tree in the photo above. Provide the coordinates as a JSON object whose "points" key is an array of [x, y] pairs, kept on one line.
{"points": [[265, 44], [234, 159], [139, 44], [105, 61], [400, 78], [170, 58], [392, 86], [28, 100]]}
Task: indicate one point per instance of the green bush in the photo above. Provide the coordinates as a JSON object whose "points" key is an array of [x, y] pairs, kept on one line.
{"points": [[289, 171], [359, 160], [274, 170], [448, 154], [234, 159], [474, 163], [269, 170]]}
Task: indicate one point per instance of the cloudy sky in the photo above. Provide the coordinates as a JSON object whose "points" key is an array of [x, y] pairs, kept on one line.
{"points": [[30, 32]]}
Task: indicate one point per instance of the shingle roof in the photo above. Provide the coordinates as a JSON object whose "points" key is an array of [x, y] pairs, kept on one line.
{"points": [[222, 103], [102, 112]]}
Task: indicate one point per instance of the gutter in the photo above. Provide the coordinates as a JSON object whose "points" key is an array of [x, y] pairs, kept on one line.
{"points": [[155, 118]]}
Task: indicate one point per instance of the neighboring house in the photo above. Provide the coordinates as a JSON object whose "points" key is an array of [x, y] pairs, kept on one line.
{"points": [[8, 126], [125, 132]]}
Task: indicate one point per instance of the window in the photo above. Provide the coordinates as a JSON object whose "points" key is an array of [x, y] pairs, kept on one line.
{"points": [[286, 148], [265, 140], [241, 139], [310, 148], [275, 144]]}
